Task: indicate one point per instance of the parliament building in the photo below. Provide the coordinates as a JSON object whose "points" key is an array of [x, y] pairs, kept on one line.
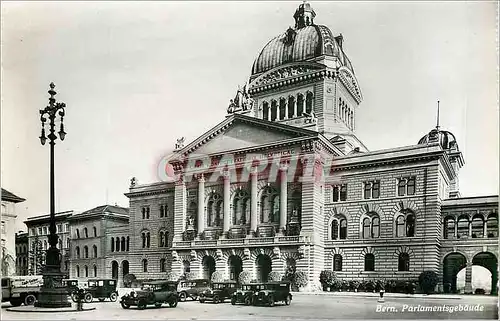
{"points": [[284, 180]]}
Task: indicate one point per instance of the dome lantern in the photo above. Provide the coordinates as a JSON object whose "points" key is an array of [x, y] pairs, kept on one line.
{"points": [[304, 15]]}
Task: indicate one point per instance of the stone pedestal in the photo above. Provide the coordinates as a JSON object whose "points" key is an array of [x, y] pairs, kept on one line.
{"points": [[52, 293]]}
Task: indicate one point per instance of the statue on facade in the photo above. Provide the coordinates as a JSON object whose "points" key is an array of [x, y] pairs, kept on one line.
{"points": [[310, 117], [241, 102], [180, 143], [133, 182]]}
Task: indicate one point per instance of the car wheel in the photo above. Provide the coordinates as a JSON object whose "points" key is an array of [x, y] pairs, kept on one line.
{"points": [[270, 301], [182, 296], [141, 305], [29, 299], [16, 302], [288, 300], [216, 299], [74, 297], [125, 305], [113, 297], [233, 300], [248, 300], [88, 297], [158, 305], [173, 303]]}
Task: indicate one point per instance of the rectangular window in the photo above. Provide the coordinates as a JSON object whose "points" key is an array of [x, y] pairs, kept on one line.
{"points": [[66, 227], [339, 193], [406, 186], [411, 186], [401, 187], [145, 213], [368, 190], [59, 228], [376, 189], [39, 231], [336, 194], [32, 232], [371, 190], [45, 230], [343, 192]]}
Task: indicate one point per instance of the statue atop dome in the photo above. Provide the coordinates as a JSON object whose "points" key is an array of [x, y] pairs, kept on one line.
{"points": [[241, 102], [304, 15]]}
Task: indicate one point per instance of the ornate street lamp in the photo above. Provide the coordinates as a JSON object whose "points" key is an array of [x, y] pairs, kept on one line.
{"points": [[52, 293]]}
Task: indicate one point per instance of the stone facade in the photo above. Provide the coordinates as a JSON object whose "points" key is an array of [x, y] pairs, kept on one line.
{"points": [[8, 253], [22, 256]]}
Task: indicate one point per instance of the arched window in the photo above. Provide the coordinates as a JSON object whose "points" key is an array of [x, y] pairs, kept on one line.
{"points": [[214, 208], [291, 107], [163, 266], [95, 271], [270, 205], [405, 225], [477, 226], [123, 245], [86, 232], [77, 252], [274, 110], [94, 250], [338, 228], [337, 262], [369, 262], [128, 242], [492, 225], [300, 105], [366, 228], [77, 269], [77, 233], [463, 227], [410, 225], [186, 266], [400, 226], [161, 242], [117, 244], [375, 229], [404, 262], [449, 228], [144, 265], [86, 252], [265, 110], [241, 208], [309, 102], [192, 212], [112, 244], [86, 268], [95, 231], [282, 113]]}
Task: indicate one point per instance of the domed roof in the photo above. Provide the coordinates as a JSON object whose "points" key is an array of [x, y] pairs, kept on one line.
{"points": [[445, 138], [304, 42]]}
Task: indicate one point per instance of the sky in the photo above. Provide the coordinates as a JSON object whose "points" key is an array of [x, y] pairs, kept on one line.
{"points": [[137, 76]]}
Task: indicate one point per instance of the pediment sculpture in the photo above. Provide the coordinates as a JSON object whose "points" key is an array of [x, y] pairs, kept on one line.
{"points": [[241, 102]]}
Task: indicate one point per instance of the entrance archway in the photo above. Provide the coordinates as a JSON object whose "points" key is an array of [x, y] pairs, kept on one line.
{"points": [[263, 267], [125, 267], [114, 270], [235, 267], [208, 263], [489, 261], [453, 263]]}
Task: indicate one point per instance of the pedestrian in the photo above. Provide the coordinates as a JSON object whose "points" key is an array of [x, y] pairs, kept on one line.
{"points": [[80, 298]]}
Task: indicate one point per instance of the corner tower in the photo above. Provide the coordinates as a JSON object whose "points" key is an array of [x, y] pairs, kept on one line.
{"points": [[304, 78]]}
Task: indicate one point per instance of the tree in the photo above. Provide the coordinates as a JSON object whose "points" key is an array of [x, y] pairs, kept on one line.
{"points": [[36, 256], [428, 281]]}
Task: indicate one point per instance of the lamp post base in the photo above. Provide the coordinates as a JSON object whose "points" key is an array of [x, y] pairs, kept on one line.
{"points": [[52, 293]]}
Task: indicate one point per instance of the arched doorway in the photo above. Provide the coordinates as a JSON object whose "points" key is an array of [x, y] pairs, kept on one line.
{"points": [[208, 264], [125, 267], [453, 263], [264, 267], [489, 261], [235, 267], [114, 270]]}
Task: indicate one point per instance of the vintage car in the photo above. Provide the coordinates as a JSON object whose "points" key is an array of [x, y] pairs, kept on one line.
{"points": [[245, 294], [72, 287], [192, 288], [101, 289], [153, 292], [272, 292], [218, 292]]}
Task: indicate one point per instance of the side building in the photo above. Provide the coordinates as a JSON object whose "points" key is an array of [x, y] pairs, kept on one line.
{"points": [[8, 253], [22, 257]]}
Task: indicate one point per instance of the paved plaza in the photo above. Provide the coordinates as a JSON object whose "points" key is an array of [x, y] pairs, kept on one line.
{"points": [[303, 306]]}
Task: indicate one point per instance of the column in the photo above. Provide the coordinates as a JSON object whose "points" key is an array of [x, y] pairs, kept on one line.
{"points": [[201, 204], [253, 200], [283, 198], [227, 207], [456, 229], [468, 279], [485, 229], [179, 209], [470, 229], [286, 109]]}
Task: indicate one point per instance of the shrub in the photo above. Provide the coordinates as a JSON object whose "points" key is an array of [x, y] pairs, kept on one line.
{"points": [[244, 277], [354, 285], [336, 285], [379, 285], [217, 277], [128, 280], [274, 276], [344, 285], [172, 276], [479, 291], [301, 279], [428, 281], [390, 286], [327, 278], [369, 286]]}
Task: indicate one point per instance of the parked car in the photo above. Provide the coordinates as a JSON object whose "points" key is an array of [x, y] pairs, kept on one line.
{"points": [[21, 289], [153, 292], [192, 289], [72, 287], [245, 294], [101, 289], [272, 292], [218, 292]]}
